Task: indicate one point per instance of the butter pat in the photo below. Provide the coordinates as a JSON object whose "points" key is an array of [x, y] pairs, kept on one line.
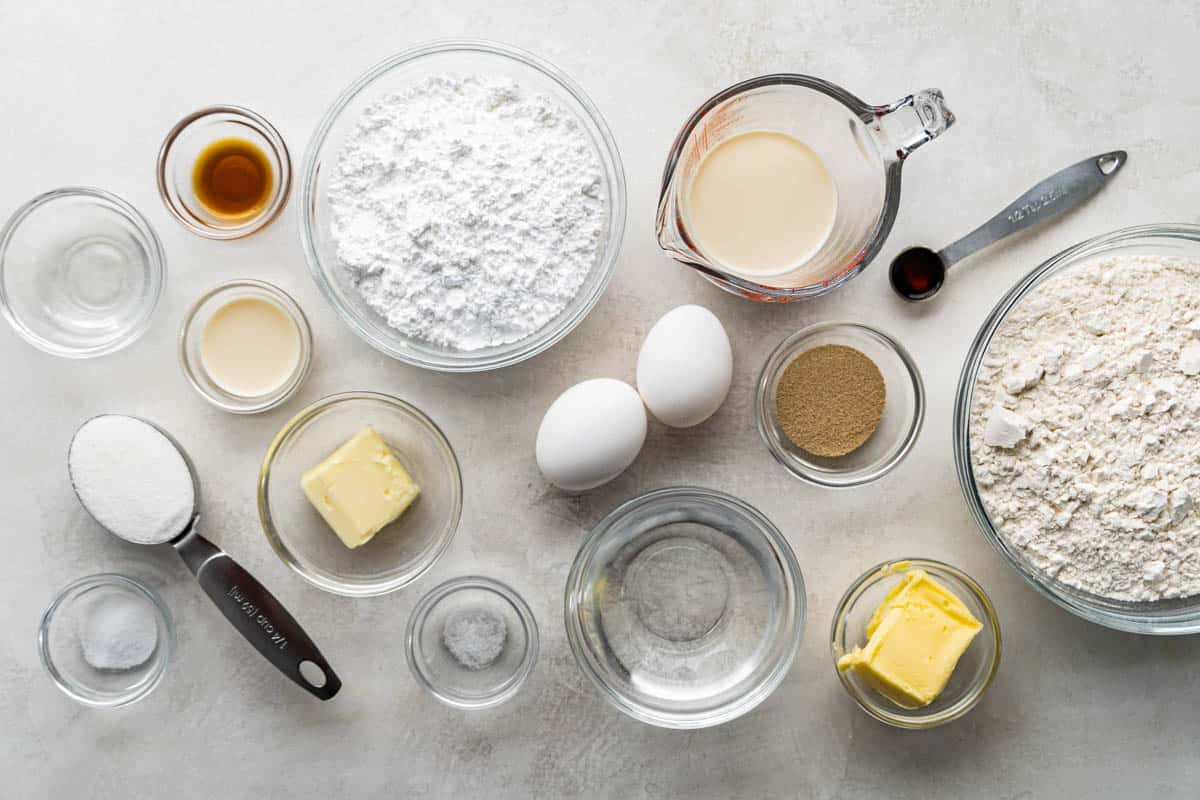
{"points": [[915, 639], [360, 488]]}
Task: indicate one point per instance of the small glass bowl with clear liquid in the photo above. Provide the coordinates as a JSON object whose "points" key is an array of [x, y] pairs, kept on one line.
{"points": [[81, 272]]}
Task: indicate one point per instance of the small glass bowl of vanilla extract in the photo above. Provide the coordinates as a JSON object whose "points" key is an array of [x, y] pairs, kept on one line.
{"points": [[224, 172]]}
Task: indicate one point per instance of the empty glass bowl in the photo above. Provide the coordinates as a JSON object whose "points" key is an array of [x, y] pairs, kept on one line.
{"points": [[402, 551], [685, 607], [394, 75], [106, 640], [903, 413], [971, 678], [191, 333], [177, 160], [490, 667], [81, 272]]}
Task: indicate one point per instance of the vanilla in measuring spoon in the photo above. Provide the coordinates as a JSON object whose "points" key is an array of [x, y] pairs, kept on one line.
{"points": [[761, 203]]}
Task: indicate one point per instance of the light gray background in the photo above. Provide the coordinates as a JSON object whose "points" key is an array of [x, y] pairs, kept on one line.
{"points": [[91, 88]]}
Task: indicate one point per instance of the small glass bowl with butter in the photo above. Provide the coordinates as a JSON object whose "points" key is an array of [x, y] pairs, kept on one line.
{"points": [[245, 346], [401, 550], [892, 666]]}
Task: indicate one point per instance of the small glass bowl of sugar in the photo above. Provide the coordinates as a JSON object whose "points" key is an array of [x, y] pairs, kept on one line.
{"points": [[106, 640]]}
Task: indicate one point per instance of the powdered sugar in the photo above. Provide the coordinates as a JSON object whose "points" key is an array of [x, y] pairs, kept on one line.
{"points": [[468, 210], [1085, 427]]}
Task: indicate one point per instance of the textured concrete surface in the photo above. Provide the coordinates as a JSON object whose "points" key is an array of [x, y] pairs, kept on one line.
{"points": [[1077, 711]]}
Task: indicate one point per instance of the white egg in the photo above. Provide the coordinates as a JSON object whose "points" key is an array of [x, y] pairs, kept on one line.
{"points": [[590, 434], [685, 366]]}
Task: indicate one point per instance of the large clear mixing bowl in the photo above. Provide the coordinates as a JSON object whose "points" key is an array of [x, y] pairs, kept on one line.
{"points": [[458, 57], [1163, 617]]}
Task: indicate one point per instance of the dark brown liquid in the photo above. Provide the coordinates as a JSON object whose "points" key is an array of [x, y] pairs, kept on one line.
{"points": [[917, 273], [233, 178]]}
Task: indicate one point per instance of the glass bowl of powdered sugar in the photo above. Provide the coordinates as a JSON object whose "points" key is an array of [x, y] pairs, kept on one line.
{"points": [[1077, 424], [106, 640], [462, 206]]}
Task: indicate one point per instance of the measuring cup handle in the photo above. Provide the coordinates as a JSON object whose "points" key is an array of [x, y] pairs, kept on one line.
{"points": [[257, 615], [913, 121]]}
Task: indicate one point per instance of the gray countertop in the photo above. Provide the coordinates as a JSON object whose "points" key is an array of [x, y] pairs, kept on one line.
{"points": [[1076, 711]]}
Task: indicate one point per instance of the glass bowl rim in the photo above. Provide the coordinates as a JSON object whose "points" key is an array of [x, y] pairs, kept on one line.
{"points": [[279, 149], [548, 335], [1128, 617], [294, 312], [898, 717], [778, 359], [789, 568], [375, 588], [163, 615], [440, 592], [156, 265]]}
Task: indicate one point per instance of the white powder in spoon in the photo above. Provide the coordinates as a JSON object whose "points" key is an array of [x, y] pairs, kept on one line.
{"points": [[131, 479]]}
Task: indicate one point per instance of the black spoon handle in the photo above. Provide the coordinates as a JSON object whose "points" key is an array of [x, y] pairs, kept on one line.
{"points": [[257, 615], [1059, 193]]}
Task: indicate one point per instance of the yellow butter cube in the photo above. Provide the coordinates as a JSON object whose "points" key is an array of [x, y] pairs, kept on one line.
{"points": [[915, 639], [360, 488]]}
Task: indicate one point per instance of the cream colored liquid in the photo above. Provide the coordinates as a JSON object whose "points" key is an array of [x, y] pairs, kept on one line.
{"points": [[761, 203], [250, 347]]}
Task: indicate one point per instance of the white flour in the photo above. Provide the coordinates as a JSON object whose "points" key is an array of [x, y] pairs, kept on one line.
{"points": [[1085, 428], [468, 210]]}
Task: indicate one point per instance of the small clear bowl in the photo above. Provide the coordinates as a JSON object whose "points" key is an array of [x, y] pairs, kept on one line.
{"points": [[64, 630], [903, 413], [970, 679], [401, 552], [177, 158], [440, 673], [394, 75], [685, 607], [191, 333], [81, 272], [1175, 617]]}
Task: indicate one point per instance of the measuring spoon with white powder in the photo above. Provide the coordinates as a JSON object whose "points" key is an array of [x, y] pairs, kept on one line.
{"points": [[138, 483]]}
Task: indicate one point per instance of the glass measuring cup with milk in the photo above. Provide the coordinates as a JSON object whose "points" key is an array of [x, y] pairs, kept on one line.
{"points": [[786, 186]]}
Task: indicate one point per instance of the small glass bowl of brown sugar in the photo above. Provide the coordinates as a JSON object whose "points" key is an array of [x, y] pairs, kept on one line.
{"points": [[224, 172], [839, 404]]}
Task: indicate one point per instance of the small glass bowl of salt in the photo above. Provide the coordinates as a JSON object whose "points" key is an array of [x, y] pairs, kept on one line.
{"points": [[106, 640], [471, 642]]}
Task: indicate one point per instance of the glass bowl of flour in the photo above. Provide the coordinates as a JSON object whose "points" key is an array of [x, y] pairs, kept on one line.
{"points": [[1076, 426], [462, 206]]}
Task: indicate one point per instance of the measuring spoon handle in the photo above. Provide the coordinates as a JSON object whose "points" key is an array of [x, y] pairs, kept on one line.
{"points": [[256, 614], [1059, 193]]}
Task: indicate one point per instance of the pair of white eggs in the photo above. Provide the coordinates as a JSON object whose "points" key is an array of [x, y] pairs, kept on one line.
{"points": [[595, 429]]}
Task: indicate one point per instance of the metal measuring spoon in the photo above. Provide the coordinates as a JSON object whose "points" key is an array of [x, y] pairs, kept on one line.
{"points": [[245, 602], [918, 272]]}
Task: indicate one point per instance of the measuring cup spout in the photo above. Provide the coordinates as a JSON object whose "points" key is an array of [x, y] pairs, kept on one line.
{"points": [[913, 121]]}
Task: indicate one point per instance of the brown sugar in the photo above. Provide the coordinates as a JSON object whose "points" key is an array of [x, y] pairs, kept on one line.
{"points": [[830, 400]]}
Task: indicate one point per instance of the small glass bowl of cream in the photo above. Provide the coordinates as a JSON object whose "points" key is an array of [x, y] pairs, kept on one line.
{"points": [[245, 346], [974, 671], [224, 172], [106, 640]]}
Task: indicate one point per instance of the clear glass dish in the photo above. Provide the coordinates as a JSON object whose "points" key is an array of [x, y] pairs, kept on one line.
{"points": [[81, 272], [77, 619], [440, 673], [685, 607], [393, 74], [192, 330], [970, 679], [1165, 617], [401, 552], [177, 158], [862, 146], [903, 413]]}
